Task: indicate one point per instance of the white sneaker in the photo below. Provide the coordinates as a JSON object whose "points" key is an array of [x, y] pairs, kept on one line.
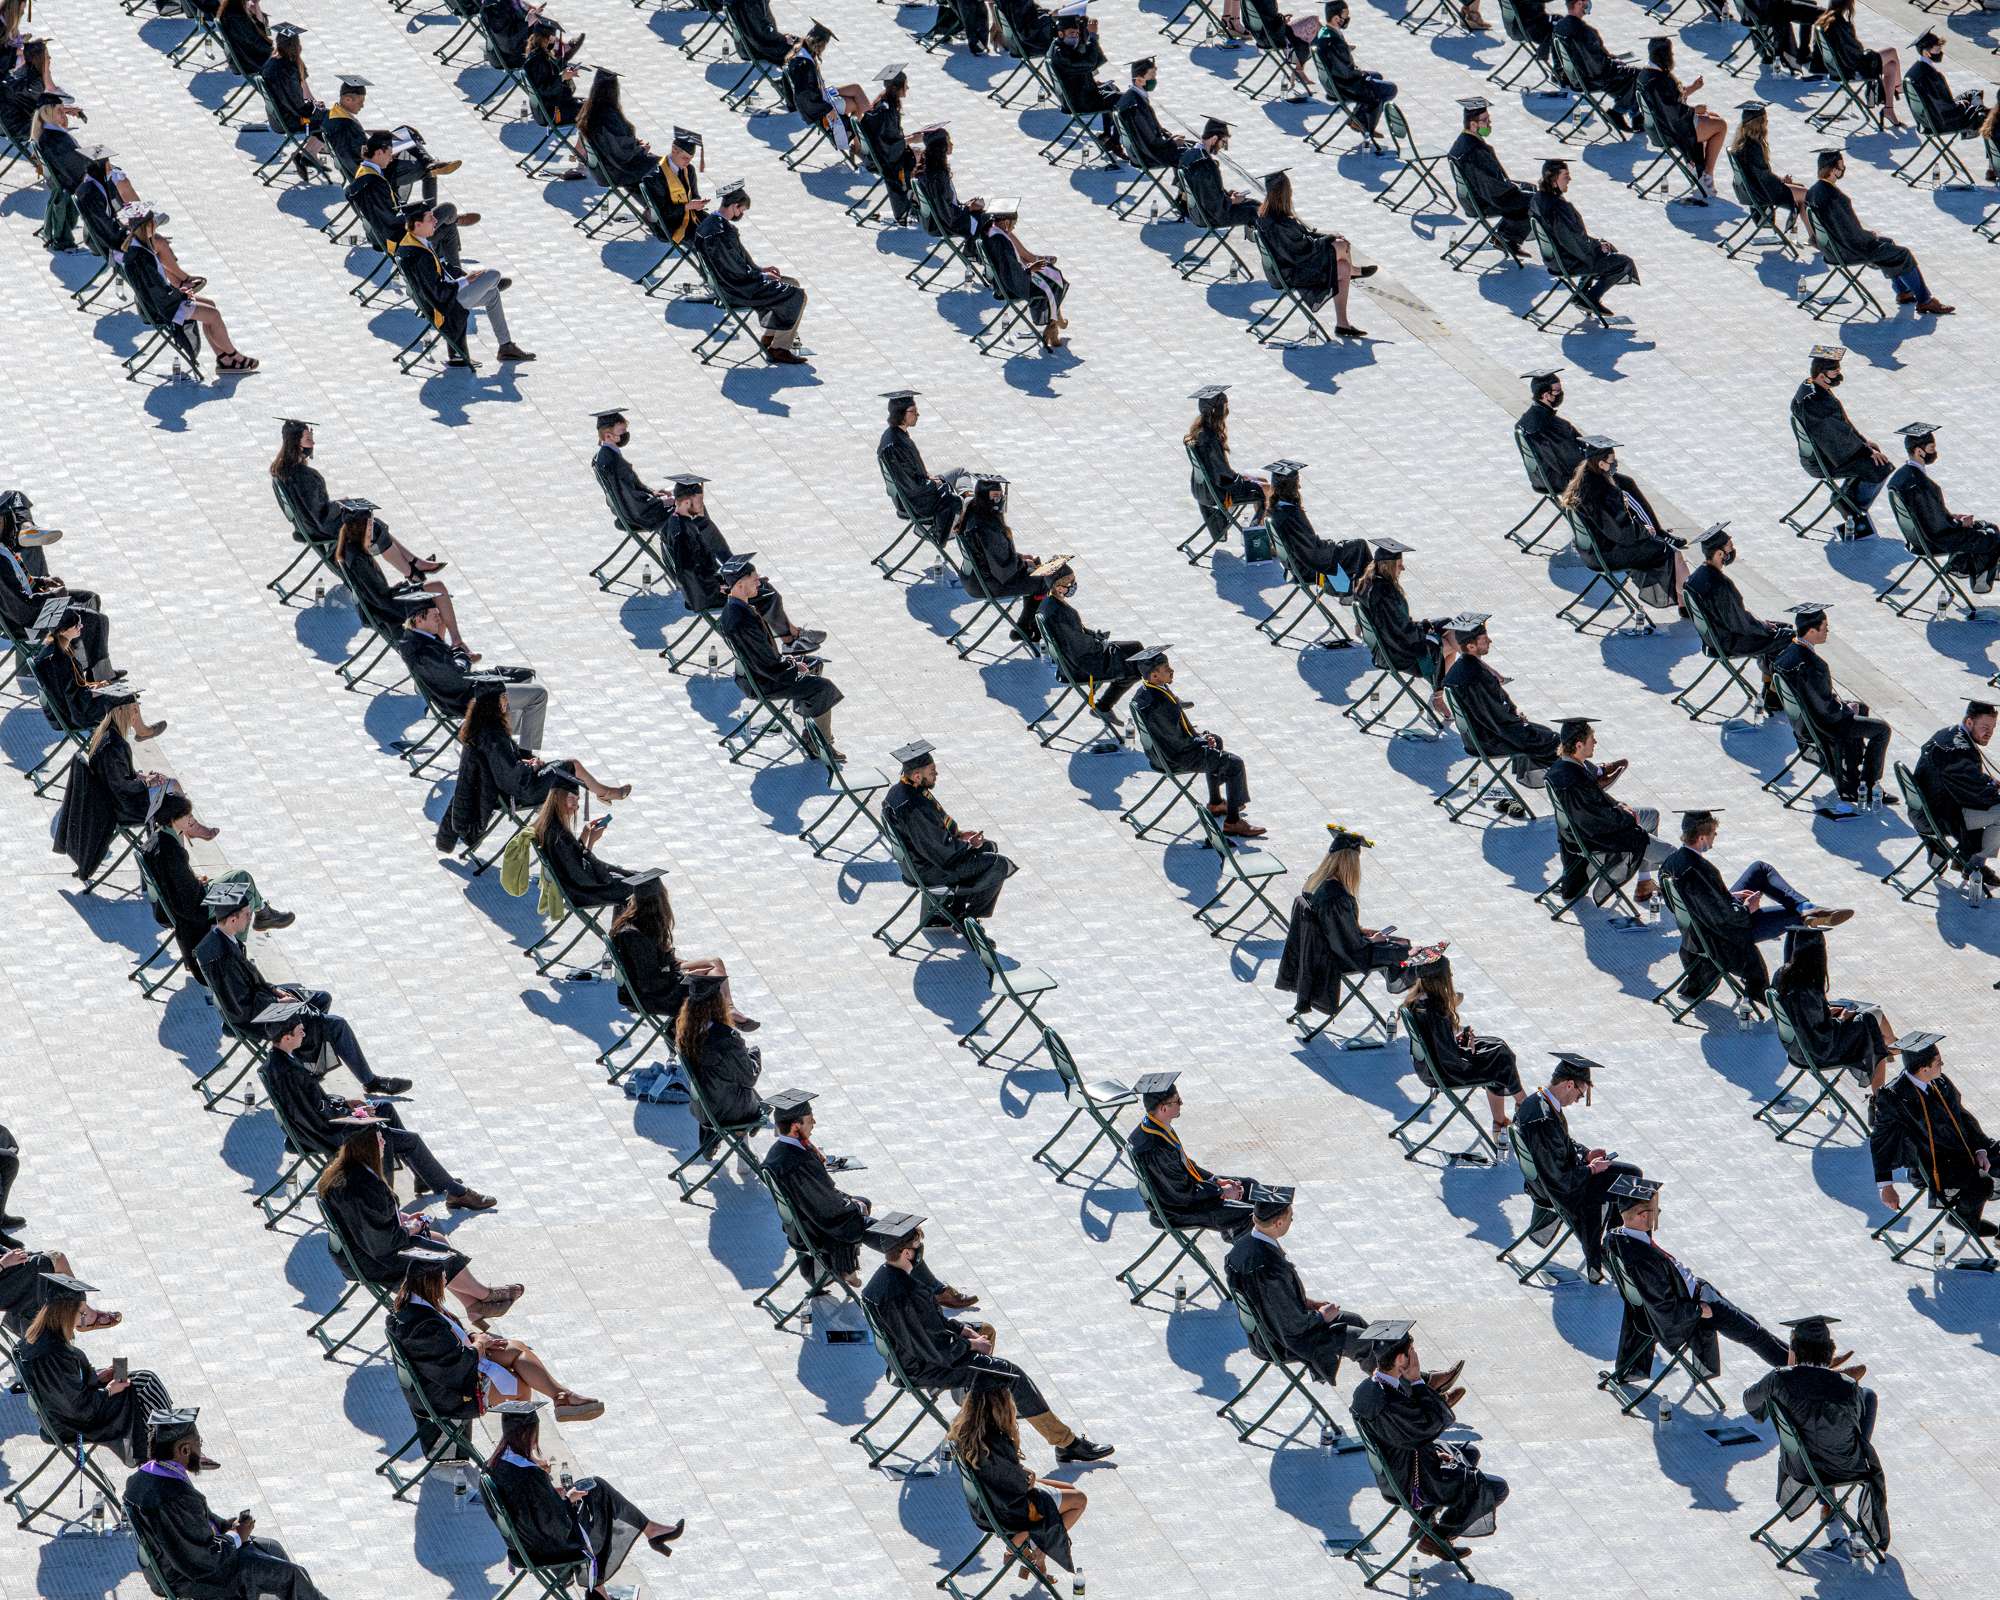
{"points": [[1708, 183]]}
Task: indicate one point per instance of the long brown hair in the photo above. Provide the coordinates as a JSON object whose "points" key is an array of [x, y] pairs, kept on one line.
{"points": [[551, 815], [361, 1148], [601, 99], [691, 1026], [652, 913], [1842, 9], [427, 1281], [1277, 200], [1755, 129], [520, 1432], [59, 1317], [1437, 989], [987, 1413], [291, 450], [1580, 489], [116, 720], [486, 713], [1210, 417], [353, 536]]}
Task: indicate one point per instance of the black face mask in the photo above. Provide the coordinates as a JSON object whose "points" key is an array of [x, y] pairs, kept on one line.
{"points": [[1555, 400], [1835, 379], [305, 452], [1729, 558]]}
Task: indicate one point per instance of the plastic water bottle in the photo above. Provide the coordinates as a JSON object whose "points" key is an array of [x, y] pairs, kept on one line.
{"points": [[713, 659], [1937, 1246], [319, 593], [100, 1518], [1076, 1582], [1329, 1436], [459, 1492], [1180, 1293], [1666, 1410], [646, 579]]}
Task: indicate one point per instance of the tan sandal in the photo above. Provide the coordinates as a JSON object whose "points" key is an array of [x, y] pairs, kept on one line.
{"points": [[92, 1319]]}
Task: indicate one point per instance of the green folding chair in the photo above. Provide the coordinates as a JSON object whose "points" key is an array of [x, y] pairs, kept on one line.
{"points": [[1016, 986], [1421, 1526], [1485, 775], [439, 1440], [1330, 1430], [554, 1582], [1563, 1228], [1250, 871], [1186, 1248], [1698, 940], [730, 1139], [378, 1299], [1716, 659], [297, 1176], [1619, 1384], [986, 1520], [1100, 1102], [883, 1457], [1805, 1063], [1944, 1206], [1834, 1520], [1941, 851], [1483, 1152], [78, 1457], [807, 1263]]}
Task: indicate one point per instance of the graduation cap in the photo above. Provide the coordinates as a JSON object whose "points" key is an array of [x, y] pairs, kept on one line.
{"points": [[418, 1259], [937, 133], [1268, 1202], [1270, 178], [564, 779], [1392, 549], [990, 1374], [138, 212], [737, 568], [1633, 1190], [415, 212], [1751, 108], [1918, 1047], [62, 1288], [289, 30], [734, 189], [1150, 657], [54, 97], [354, 505], [1143, 65], [1828, 355], [1715, 538], [1573, 1067], [1810, 1327], [1552, 165], [1004, 206], [1339, 837], [1210, 391], [14, 500], [1469, 624], [687, 484], [124, 694], [788, 1105], [96, 152], [900, 401], [1695, 817], [519, 1408], [607, 419], [819, 30], [1831, 154], [280, 1012], [705, 985], [54, 611], [1426, 961], [1925, 40], [1286, 468], [172, 1424], [1917, 434], [485, 683], [359, 1119], [297, 422], [1070, 16], [1386, 1335], [1155, 1087], [226, 896], [1538, 381], [1809, 613], [1574, 730], [1051, 569], [917, 753], [1214, 127], [645, 879], [1475, 102], [892, 1231], [354, 83], [1599, 444], [891, 75]]}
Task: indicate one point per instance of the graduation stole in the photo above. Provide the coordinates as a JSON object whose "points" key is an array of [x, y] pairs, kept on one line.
{"points": [[1930, 1137], [679, 190], [1186, 727], [950, 826], [410, 239], [1159, 1131], [339, 110]]}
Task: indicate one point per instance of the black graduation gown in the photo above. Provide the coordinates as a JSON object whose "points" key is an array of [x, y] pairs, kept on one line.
{"points": [[1554, 442], [76, 1404], [1669, 1306], [584, 877], [1443, 1481], [436, 285], [1207, 197], [1735, 631], [374, 200], [1034, 28], [727, 1072], [1303, 255], [806, 85], [245, 39], [833, 1222], [1410, 646], [942, 204], [507, 24], [931, 1347], [157, 300], [188, 1540], [654, 973], [1310, 556], [553, 91], [1174, 739], [1847, 242], [935, 843], [1189, 1195], [1754, 175], [442, 669], [492, 768], [1714, 908], [1819, 415], [743, 283], [998, 567], [1075, 68], [697, 549], [1146, 142], [1336, 57], [1577, 252], [1954, 780], [1496, 721], [1932, 90], [24, 1291], [601, 1528], [306, 489], [1089, 651], [17, 101], [364, 1209], [61, 676], [902, 464], [1671, 114], [1840, 48], [1230, 484], [1854, 1041], [63, 156], [446, 1370], [1624, 543], [102, 793], [1564, 1182], [307, 1108], [282, 84], [760, 31], [181, 890], [1496, 194], [1019, 1505], [1805, 670], [1835, 1419], [374, 596], [760, 661], [625, 162], [1264, 1275], [1968, 548], [1596, 822], [236, 983], [631, 500], [1587, 52], [1325, 942], [1482, 1062], [1929, 1132]]}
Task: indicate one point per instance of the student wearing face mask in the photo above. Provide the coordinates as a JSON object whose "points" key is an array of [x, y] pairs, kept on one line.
{"points": [[1854, 466], [1731, 627], [1970, 547], [1943, 112], [1103, 664], [1501, 200], [1601, 72]]}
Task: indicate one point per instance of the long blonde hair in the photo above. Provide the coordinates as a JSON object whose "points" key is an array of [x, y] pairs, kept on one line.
{"points": [[118, 719], [58, 1316], [987, 1413], [1343, 866], [552, 815]]}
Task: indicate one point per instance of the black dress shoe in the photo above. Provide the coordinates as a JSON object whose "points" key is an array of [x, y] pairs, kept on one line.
{"points": [[388, 1086], [10, 1222], [1081, 1449]]}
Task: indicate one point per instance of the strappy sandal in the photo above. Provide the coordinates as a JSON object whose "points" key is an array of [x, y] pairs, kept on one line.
{"points": [[427, 564], [573, 1407], [193, 285], [622, 792], [498, 1303], [237, 363], [93, 1319]]}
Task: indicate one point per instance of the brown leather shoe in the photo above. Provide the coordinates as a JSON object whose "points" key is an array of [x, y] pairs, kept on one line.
{"points": [[1242, 829], [1453, 1396], [1905, 298], [468, 219], [1446, 1378], [444, 169], [1430, 1546], [513, 352], [1934, 307], [956, 1299], [470, 1200], [783, 358]]}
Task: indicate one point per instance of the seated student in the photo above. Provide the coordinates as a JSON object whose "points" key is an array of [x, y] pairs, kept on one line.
{"points": [[929, 497], [643, 934], [27, 77], [1602, 73], [969, 18], [1750, 162], [708, 1038], [632, 500], [699, 552], [1404, 1414], [83, 1404], [345, 133], [1948, 114], [464, 1374], [1451, 1049], [1020, 274], [936, 1352], [1034, 28], [1035, 1516], [355, 543], [1971, 546], [356, 1195], [584, 878], [1501, 201], [1789, 24], [1622, 526], [1732, 629], [815, 100], [79, 699], [1418, 647], [1692, 130], [1573, 1181], [1210, 203], [27, 586], [960, 219], [1190, 1196], [1365, 93], [1317, 266], [318, 1123], [591, 1523], [1821, 1393], [374, 195], [1848, 244], [183, 902], [105, 791], [1326, 940], [162, 299], [197, 1551], [1290, 38], [790, 675], [1148, 144], [1314, 1333], [1856, 466], [779, 302], [451, 293], [1073, 62], [1496, 721], [1861, 742], [1842, 53], [510, 24], [996, 567], [882, 131], [678, 203], [1960, 791], [1859, 1037], [245, 996], [1216, 486], [552, 80], [293, 472], [287, 85], [1163, 715], [1553, 444], [245, 30], [625, 160], [1923, 1125], [1592, 263], [1620, 836], [445, 672], [1735, 916], [941, 852], [1330, 563], [493, 766], [1688, 1312], [831, 1222], [1104, 664]]}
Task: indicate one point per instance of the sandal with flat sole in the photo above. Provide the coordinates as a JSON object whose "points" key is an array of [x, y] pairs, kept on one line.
{"points": [[498, 1303], [93, 1319]]}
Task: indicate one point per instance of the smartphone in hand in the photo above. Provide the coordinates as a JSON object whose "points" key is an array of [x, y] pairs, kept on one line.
{"points": [[121, 1367]]}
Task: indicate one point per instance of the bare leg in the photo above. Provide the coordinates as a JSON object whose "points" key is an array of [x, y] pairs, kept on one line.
{"points": [[209, 320], [447, 612], [125, 190], [468, 1288], [597, 786], [1711, 131], [1892, 84], [518, 1359], [1497, 1105], [1680, 575], [1343, 271], [711, 966]]}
